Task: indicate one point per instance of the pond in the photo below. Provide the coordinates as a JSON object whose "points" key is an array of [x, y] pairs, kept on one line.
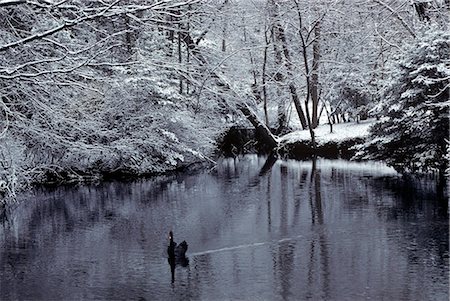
{"points": [[257, 228]]}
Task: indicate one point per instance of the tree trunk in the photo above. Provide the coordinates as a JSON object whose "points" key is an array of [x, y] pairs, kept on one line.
{"points": [[315, 78], [255, 89], [298, 106], [329, 117], [180, 59], [282, 38], [279, 78], [262, 131], [263, 80], [188, 56], [224, 28], [304, 46], [421, 9], [279, 35]]}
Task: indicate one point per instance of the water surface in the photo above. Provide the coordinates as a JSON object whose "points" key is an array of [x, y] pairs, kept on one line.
{"points": [[256, 228]]}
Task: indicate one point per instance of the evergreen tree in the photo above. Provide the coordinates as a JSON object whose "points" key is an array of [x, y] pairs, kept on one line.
{"points": [[414, 134]]}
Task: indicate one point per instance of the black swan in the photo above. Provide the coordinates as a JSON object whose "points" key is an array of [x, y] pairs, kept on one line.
{"points": [[176, 251], [177, 255]]}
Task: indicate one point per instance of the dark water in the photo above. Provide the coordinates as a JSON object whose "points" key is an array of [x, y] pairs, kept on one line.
{"points": [[293, 230]]}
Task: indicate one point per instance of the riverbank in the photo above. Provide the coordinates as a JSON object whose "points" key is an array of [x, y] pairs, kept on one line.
{"points": [[338, 143], [334, 144], [175, 157]]}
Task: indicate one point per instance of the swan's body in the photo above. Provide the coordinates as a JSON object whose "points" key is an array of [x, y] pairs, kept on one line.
{"points": [[175, 251]]}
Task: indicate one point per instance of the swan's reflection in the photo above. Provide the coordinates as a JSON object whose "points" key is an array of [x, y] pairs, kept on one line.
{"points": [[173, 262]]}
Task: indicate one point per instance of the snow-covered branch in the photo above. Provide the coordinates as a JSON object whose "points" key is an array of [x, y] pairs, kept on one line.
{"points": [[65, 25], [11, 2], [397, 15]]}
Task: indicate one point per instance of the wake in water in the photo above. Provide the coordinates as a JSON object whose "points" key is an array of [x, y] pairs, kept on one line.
{"points": [[252, 245]]}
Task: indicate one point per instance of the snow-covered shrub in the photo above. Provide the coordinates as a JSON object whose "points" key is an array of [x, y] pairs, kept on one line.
{"points": [[158, 128]]}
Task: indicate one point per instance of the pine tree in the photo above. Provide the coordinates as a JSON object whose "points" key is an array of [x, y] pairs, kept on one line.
{"points": [[413, 137]]}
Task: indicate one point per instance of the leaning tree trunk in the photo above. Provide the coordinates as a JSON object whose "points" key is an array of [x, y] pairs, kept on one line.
{"points": [[262, 131]]}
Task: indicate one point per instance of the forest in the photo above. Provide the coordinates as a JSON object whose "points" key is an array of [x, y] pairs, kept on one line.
{"points": [[95, 88]]}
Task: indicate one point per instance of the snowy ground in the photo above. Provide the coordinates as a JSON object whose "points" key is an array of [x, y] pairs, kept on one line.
{"points": [[341, 132]]}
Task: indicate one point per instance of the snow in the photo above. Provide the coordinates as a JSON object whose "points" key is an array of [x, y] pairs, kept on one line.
{"points": [[341, 132], [327, 165]]}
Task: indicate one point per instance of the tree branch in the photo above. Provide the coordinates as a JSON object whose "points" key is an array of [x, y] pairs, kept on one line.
{"points": [[397, 16], [11, 2], [49, 32]]}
